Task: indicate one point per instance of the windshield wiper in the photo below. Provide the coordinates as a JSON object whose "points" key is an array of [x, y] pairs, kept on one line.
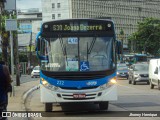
{"points": [[62, 45], [91, 46], [63, 48], [65, 51]]}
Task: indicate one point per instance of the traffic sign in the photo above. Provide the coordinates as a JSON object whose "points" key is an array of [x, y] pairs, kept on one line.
{"points": [[11, 24]]}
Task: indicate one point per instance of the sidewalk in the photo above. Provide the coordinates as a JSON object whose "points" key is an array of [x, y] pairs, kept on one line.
{"points": [[16, 103]]}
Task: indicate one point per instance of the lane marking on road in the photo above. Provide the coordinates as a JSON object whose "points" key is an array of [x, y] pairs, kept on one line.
{"points": [[128, 87], [140, 91]]}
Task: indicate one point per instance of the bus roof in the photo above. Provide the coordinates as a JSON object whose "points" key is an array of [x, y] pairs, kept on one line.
{"points": [[74, 19]]}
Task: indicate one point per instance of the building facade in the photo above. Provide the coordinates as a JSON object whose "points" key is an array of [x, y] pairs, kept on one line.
{"points": [[30, 21], [125, 13], [29, 25]]}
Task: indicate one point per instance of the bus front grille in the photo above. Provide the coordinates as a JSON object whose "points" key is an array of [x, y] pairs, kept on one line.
{"points": [[75, 88], [79, 98]]}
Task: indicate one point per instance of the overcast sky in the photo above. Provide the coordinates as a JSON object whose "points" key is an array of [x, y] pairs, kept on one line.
{"points": [[26, 4]]}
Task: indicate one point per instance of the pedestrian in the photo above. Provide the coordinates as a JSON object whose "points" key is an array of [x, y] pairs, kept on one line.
{"points": [[5, 85]]}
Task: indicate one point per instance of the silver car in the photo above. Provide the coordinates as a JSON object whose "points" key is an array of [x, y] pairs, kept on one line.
{"points": [[139, 73]]}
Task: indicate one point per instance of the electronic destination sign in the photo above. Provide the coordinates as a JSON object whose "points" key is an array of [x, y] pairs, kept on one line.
{"points": [[77, 26]]}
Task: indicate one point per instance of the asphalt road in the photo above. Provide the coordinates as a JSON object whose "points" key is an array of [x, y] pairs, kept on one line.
{"points": [[27, 78], [130, 98]]}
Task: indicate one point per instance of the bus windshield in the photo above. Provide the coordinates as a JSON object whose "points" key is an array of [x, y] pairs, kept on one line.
{"points": [[79, 54]]}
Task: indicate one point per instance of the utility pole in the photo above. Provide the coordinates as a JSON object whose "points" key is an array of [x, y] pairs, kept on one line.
{"points": [[11, 25], [11, 45], [16, 54], [30, 53]]}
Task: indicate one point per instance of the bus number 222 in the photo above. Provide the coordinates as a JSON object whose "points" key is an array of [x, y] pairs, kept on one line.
{"points": [[60, 82]]}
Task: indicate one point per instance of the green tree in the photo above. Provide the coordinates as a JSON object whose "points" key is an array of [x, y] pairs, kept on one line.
{"points": [[4, 36], [147, 37]]}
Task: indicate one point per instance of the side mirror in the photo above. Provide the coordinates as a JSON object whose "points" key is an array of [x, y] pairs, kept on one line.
{"points": [[155, 72], [38, 42], [41, 47]]}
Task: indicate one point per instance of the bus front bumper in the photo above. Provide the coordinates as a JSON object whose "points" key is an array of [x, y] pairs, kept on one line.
{"points": [[89, 95]]}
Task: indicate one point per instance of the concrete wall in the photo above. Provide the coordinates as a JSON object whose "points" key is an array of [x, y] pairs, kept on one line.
{"points": [[63, 10]]}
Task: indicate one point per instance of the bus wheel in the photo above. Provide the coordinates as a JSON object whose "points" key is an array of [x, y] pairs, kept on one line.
{"points": [[103, 105], [48, 107]]}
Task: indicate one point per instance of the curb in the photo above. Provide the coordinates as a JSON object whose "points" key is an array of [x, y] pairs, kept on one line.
{"points": [[24, 97], [27, 93]]}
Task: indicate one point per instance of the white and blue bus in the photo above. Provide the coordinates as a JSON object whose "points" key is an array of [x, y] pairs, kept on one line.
{"points": [[78, 62]]}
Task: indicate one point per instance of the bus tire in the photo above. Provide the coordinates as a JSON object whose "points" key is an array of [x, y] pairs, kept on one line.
{"points": [[104, 105], [48, 107]]}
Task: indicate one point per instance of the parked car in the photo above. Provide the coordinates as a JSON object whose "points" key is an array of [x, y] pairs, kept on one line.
{"points": [[154, 73], [122, 71], [138, 73], [35, 72]]}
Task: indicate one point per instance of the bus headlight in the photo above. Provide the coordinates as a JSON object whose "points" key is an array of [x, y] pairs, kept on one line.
{"points": [[44, 82], [112, 81], [48, 86]]}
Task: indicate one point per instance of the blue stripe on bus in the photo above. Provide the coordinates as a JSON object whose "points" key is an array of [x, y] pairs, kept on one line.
{"points": [[78, 84]]}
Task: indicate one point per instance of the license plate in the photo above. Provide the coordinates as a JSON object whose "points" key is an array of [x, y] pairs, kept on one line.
{"points": [[79, 95]]}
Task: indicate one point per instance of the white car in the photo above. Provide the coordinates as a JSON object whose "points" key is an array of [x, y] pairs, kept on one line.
{"points": [[35, 72], [154, 73]]}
